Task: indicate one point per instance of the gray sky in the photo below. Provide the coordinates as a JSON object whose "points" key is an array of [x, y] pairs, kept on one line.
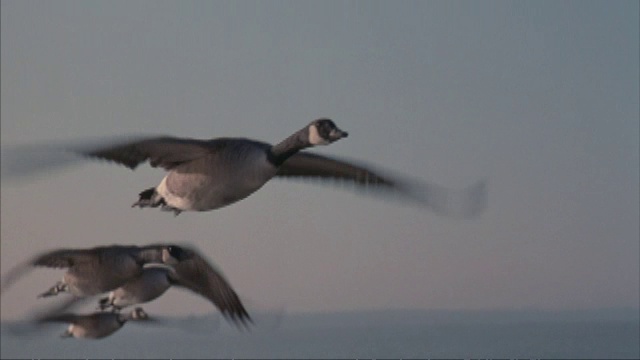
{"points": [[540, 98]]}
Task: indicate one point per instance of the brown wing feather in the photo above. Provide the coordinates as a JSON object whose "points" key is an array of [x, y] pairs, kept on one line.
{"points": [[200, 277], [165, 152], [304, 164], [62, 258], [463, 203]]}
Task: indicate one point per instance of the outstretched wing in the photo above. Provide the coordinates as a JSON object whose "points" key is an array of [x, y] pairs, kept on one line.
{"points": [[66, 258], [165, 152], [196, 274], [63, 258], [130, 151], [462, 203], [308, 165]]}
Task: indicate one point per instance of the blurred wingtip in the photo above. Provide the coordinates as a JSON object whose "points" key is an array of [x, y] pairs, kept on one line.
{"points": [[28, 162], [476, 199], [13, 275], [464, 203]]}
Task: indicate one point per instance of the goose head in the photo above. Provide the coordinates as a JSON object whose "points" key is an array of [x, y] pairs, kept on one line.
{"points": [[135, 314], [173, 254], [324, 131], [138, 314]]}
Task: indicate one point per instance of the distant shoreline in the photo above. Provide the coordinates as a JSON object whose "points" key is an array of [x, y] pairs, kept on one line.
{"points": [[445, 315]]}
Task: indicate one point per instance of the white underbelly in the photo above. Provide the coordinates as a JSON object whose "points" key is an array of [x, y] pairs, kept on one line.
{"points": [[202, 191], [181, 202]]}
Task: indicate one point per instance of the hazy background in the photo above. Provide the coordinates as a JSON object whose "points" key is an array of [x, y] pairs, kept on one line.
{"points": [[540, 98]]}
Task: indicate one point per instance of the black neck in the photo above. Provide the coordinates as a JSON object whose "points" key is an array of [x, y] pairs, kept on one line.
{"points": [[279, 153]]}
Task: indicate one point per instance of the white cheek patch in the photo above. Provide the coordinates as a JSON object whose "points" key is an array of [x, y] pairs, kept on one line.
{"points": [[167, 258], [315, 138]]}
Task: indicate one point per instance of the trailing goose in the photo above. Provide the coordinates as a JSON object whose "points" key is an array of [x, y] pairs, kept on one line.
{"points": [[96, 325], [97, 270], [209, 174], [187, 269], [91, 271]]}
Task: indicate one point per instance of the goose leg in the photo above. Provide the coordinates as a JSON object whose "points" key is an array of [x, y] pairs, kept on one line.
{"points": [[104, 303], [166, 207], [149, 198], [58, 287]]}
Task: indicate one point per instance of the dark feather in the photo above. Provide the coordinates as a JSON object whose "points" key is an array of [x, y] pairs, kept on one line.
{"points": [[165, 152], [63, 258], [461, 203], [305, 164], [197, 275]]}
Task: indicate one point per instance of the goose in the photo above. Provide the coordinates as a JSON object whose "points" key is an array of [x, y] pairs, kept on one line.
{"points": [[101, 269], [96, 325], [188, 269], [91, 271], [204, 175]]}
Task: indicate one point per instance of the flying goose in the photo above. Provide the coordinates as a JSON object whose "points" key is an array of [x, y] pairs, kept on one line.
{"points": [[187, 269], [91, 271], [97, 270], [96, 325], [205, 175], [210, 174]]}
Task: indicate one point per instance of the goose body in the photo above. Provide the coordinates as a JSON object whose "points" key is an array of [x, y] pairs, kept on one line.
{"points": [[96, 325], [216, 180], [151, 284], [188, 269]]}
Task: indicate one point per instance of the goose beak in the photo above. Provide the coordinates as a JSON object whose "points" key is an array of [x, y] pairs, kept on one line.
{"points": [[337, 134]]}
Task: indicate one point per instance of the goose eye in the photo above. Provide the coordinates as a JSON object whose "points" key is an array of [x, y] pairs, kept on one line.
{"points": [[174, 251], [325, 127]]}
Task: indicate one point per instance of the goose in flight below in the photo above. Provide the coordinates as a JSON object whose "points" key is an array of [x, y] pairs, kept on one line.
{"points": [[91, 271], [186, 268], [97, 270], [204, 175], [96, 325]]}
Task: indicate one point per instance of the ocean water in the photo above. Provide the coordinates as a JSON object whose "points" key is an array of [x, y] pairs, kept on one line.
{"points": [[381, 334]]}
